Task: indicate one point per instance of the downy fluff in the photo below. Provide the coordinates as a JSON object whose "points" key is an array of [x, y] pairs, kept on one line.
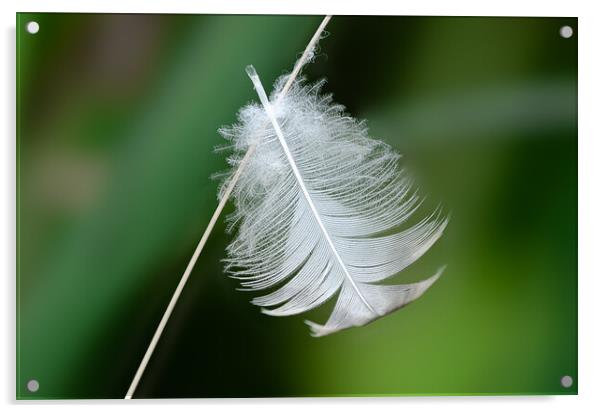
{"points": [[320, 211]]}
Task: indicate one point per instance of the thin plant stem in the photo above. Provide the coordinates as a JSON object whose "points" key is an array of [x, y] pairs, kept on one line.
{"points": [[304, 57], [216, 214]]}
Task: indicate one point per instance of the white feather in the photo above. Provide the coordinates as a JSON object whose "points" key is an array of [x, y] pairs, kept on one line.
{"points": [[320, 210]]}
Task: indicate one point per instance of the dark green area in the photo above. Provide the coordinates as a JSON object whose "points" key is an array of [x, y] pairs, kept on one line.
{"points": [[117, 120]]}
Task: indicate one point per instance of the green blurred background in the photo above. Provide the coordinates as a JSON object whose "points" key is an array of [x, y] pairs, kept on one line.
{"points": [[117, 119]]}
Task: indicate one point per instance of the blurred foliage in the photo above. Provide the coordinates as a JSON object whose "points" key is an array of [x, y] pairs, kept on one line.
{"points": [[117, 120]]}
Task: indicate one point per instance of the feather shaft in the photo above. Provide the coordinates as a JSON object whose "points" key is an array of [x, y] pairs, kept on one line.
{"points": [[268, 109]]}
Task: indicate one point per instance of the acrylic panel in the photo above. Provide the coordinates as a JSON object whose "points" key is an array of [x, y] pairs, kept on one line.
{"points": [[117, 126]]}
